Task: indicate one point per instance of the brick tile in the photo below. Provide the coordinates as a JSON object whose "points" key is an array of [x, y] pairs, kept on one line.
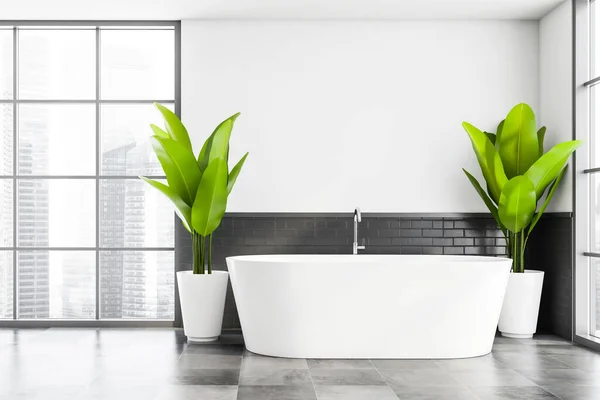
{"points": [[463, 242], [454, 233], [474, 233], [433, 233], [433, 250], [421, 241], [380, 241], [378, 224], [475, 250], [401, 241], [410, 232], [453, 250], [443, 242], [389, 233], [422, 224]]}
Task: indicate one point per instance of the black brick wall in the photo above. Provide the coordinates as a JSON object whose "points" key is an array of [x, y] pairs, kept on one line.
{"points": [[397, 234], [550, 249]]}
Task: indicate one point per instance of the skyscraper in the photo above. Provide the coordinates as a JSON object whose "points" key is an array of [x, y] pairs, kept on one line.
{"points": [[112, 231], [33, 195], [6, 185]]}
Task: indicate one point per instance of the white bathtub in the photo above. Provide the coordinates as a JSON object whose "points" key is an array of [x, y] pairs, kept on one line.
{"points": [[369, 306]]}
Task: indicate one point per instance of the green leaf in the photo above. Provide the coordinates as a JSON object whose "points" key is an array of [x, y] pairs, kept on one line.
{"points": [[498, 133], [549, 196], [183, 211], [180, 167], [159, 132], [489, 161], [235, 171], [517, 204], [547, 168], [220, 143], [486, 199], [217, 144], [518, 144], [541, 134], [211, 200], [491, 136], [175, 128], [203, 156]]}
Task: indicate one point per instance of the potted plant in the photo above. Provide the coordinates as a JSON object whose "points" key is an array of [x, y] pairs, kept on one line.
{"points": [[517, 174], [198, 187]]}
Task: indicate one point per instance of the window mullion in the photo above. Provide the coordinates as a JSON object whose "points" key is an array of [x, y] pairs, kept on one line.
{"points": [[15, 165], [97, 252]]}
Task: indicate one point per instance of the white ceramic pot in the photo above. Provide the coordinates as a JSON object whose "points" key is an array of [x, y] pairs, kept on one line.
{"points": [[521, 306], [202, 299]]}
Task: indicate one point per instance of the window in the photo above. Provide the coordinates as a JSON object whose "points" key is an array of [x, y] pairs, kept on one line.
{"points": [[81, 236], [587, 172]]}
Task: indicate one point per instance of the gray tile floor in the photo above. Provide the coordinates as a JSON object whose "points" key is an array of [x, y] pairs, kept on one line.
{"points": [[157, 364]]}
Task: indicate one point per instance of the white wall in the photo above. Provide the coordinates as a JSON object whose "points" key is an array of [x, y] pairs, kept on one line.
{"points": [[556, 89], [343, 114]]}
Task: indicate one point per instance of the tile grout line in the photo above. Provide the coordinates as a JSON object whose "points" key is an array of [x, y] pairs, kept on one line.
{"points": [[382, 377], [311, 379], [237, 387]]}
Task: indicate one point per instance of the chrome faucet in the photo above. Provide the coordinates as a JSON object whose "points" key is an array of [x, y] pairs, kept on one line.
{"points": [[355, 246]]}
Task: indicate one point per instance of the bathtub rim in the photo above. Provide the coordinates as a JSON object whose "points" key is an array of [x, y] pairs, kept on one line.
{"points": [[333, 258]]}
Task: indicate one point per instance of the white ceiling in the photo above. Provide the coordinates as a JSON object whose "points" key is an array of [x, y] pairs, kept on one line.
{"points": [[273, 9]]}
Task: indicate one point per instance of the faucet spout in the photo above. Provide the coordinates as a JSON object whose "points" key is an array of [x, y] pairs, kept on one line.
{"points": [[355, 245]]}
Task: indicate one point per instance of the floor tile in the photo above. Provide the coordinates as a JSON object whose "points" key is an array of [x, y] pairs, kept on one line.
{"points": [[516, 347], [569, 349], [276, 393], [355, 393], [504, 340], [134, 377], [159, 364], [346, 377], [587, 362], [470, 364], [557, 377], [434, 393], [192, 392], [207, 377], [224, 339], [206, 361], [405, 364], [530, 360], [96, 392], [261, 362], [491, 377], [513, 393], [275, 377], [339, 364], [225, 350], [65, 392], [545, 340], [418, 378], [566, 391]]}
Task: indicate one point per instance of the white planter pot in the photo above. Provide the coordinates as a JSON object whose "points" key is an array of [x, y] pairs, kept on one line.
{"points": [[202, 299], [521, 306]]}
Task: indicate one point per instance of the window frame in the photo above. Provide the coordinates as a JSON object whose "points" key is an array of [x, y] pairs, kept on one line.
{"points": [[584, 124], [15, 26]]}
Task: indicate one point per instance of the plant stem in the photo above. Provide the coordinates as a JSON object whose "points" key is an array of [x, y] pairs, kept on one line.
{"points": [[514, 257], [210, 253], [202, 254], [522, 254], [197, 253]]}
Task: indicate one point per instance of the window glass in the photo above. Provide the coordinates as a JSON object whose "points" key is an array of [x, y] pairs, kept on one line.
{"points": [[57, 64]]}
